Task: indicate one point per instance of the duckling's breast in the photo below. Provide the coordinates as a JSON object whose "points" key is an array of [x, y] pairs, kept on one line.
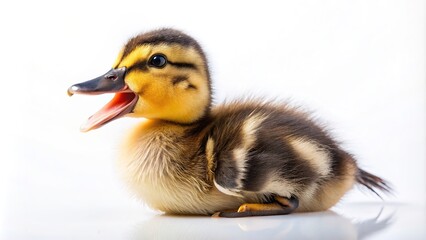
{"points": [[165, 169]]}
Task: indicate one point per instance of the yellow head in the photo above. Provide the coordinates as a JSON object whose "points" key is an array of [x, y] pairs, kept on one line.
{"points": [[161, 74]]}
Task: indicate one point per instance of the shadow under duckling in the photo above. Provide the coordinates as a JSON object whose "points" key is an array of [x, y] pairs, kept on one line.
{"points": [[244, 158]]}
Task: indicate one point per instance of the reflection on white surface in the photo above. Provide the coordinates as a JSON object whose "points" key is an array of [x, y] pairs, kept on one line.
{"points": [[322, 225], [350, 221]]}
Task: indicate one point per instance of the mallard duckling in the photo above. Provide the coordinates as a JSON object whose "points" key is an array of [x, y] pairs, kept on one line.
{"points": [[244, 158]]}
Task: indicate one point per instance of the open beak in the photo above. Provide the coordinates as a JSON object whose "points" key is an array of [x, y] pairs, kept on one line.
{"points": [[123, 102]]}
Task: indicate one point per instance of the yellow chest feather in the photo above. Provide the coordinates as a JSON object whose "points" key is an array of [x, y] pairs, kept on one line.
{"points": [[165, 175]]}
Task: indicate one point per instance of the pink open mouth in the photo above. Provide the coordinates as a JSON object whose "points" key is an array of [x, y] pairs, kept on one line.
{"points": [[122, 104]]}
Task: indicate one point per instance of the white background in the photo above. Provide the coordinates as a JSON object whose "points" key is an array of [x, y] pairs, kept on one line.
{"points": [[360, 65]]}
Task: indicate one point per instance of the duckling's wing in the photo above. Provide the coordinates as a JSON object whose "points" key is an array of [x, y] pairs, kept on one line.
{"points": [[255, 150], [273, 150]]}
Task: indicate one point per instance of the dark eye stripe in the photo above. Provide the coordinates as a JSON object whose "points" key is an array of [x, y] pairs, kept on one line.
{"points": [[182, 65], [139, 65], [142, 66]]}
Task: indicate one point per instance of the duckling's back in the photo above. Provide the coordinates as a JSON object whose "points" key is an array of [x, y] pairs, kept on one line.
{"points": [[273, 149]]}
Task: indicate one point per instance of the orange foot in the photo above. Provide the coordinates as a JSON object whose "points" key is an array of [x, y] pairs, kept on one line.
{"points": [[280, 206]]}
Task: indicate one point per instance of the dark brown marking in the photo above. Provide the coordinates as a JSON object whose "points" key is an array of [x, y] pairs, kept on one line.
{"points": [[139, 65], [179, 79], [191, 86], [162, 36], [182, 65]]}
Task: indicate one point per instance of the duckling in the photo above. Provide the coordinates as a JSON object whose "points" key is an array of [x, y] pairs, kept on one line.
{"points": [[248, 157]]}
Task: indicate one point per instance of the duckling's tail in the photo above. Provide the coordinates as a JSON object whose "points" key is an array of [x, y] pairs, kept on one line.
{"points": [[373, 182]]}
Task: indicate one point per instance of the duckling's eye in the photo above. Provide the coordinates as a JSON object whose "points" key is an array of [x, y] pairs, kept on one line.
{"points": [[158, 61]]}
